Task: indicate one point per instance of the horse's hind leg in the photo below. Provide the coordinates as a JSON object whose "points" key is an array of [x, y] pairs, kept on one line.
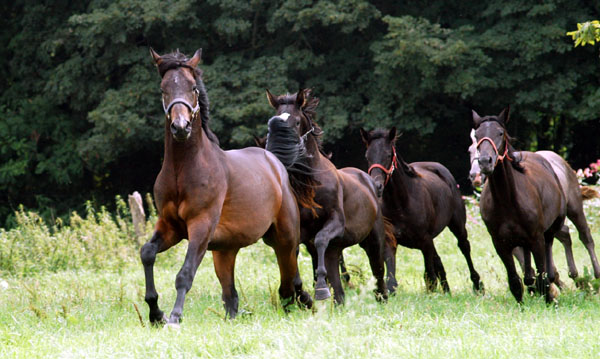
{"points": [[158, 243], [565, 238], [576, 215], [224, 262], [541, 249], [344, 272], [457, 227], [440, 272], [374, 247]]}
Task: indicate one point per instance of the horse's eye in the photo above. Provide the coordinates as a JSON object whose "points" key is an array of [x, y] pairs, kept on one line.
{"points": [[194, 88], [297, 123], [161, 90]]}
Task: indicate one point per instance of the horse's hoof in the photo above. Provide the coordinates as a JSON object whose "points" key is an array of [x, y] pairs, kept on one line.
{"points": [[322, 293], [158, 322], [304, 300], [172, 326], [479, 289]]}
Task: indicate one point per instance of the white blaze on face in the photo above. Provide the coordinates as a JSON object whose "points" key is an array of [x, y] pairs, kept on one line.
{"points": [[284, 116]]}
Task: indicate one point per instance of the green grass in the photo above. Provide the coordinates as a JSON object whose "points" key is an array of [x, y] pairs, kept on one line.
{"points": [[85, 308]]}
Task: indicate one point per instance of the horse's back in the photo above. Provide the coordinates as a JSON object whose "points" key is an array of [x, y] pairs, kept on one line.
{"points": [[564, 172], [436, 177], [540, 174]]}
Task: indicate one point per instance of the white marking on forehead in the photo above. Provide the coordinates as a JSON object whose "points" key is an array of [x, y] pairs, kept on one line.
{"points": [[285, 116]]}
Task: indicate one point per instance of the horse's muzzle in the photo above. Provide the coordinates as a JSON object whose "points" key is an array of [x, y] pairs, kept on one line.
{"points": [[181, 129]]}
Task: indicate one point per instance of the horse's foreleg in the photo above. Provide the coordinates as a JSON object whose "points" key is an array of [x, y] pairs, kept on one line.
{"points": [[333, 228], [156, 244], [430, 276], [389, 255], [224, 262], [332, 257], [199, 233], [514, 281]]}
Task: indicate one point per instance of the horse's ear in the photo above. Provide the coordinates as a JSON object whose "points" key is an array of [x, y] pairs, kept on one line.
{"points": [[392, 134], [504, 116], [260, 141], [195, 60], [272, 100], [155, 56], [301, 98], [476, 119], [365, 136]]}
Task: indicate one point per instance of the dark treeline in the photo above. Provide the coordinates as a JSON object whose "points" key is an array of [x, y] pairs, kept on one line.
{"points": [[80, 110]]}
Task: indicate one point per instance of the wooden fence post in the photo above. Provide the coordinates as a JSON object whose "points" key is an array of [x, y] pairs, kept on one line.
{"points": [[137, 214]]}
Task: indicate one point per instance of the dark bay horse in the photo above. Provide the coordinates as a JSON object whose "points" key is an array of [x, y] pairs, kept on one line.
{"points": [[344, 209], [575, 195], [522, 203], [420, 199], [219, 200]]}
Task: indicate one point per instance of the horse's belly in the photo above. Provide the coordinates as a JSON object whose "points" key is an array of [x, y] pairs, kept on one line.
{"points": [[238, 232]]}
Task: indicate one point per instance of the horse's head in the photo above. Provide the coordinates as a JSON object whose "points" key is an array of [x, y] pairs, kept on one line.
{"points": [[181, 88], [381, 155], [492, 140], [475, 175]]}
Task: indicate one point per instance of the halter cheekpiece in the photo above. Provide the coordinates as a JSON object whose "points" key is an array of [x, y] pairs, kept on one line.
{"points": [[388, 171]]}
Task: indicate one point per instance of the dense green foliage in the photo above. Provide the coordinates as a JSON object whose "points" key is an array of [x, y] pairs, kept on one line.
{"points": [[85, 308], [80, 112]]}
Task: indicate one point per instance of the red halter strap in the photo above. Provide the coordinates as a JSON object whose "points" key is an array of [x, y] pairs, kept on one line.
{"points": [[388, 172], [498, 156]]}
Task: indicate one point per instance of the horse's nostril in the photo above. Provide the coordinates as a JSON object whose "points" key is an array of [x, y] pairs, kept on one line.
{"points": [[489, 160], [173, 128]]}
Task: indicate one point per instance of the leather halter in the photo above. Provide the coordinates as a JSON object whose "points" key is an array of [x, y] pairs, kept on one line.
{"points": [[388, 171], [181, 100], [498, 156]]}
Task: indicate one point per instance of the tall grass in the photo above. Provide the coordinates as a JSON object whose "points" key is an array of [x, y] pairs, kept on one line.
{"points": [[97, 240]]}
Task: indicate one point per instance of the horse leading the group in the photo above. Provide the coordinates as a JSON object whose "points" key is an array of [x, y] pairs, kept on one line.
{"points": [[219, 200], [343, 209], [575, 195], [420, 199], [522, 204]]}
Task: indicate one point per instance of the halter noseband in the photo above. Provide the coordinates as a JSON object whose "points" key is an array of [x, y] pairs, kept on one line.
{"points": [[181, 100], [388, 171], [498, 156]]}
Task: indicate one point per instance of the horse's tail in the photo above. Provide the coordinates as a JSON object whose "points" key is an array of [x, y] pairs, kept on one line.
{"points": [[589, 193], [390, 238]]}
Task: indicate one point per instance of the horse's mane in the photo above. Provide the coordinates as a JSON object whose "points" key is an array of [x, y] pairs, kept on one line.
{"points": [[309, 110], [381, 133], [176, 60], [284, 142], [516, 160]]}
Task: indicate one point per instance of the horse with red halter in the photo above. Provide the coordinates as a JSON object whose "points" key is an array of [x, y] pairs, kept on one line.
{"points": [[522, 204], [420, 199], [219, 200], [343, 209], [575, 195]]}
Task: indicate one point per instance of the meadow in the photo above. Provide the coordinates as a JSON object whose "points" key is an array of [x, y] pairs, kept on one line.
{"points": [[69, 290]]}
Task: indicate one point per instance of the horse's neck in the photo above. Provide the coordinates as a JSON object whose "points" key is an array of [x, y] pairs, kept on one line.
{"points": [[315, 155], [502, 184], [182, 156], [398, 187]]}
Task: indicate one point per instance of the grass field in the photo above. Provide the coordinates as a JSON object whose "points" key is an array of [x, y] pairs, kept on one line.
{"points": [[70, 308]]}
